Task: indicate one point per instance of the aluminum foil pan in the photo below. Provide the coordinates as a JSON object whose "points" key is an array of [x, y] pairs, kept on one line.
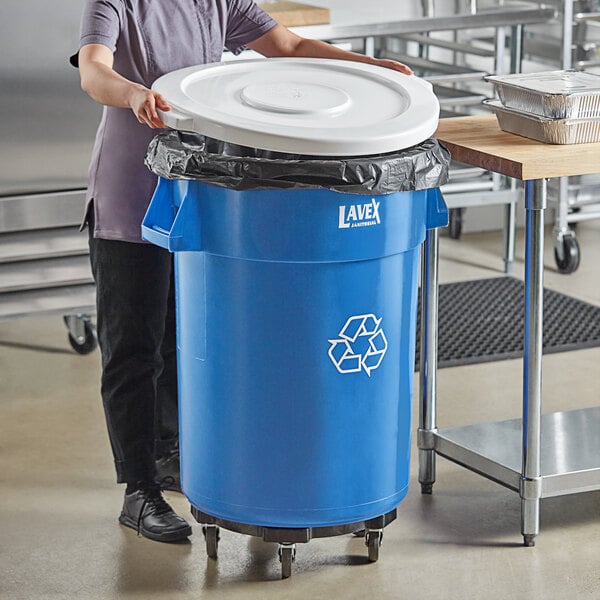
{"points": [[553, 94], [543, 129]]}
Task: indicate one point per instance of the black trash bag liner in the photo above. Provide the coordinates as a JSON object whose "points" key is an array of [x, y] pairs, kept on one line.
{"points": [[186, 155]]}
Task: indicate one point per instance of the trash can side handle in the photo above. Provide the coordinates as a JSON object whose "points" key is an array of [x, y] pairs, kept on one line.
{"points": [[437, 211], [165, 221]]}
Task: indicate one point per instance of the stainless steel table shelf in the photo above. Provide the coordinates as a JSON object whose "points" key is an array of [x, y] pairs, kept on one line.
{"points": [[570, 451]]}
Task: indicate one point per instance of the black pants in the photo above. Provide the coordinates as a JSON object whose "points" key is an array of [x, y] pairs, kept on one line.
{"points": [[136, 334]]}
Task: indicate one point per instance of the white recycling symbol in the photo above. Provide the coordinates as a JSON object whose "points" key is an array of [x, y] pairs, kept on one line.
{"points": [[361, 345]]}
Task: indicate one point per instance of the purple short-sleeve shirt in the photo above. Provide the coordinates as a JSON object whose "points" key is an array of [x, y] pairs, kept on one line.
{"points": [[150, 38]]}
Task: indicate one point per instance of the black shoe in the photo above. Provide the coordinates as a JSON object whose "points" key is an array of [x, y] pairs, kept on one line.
{"points": [[146, 511], [167, 472]]}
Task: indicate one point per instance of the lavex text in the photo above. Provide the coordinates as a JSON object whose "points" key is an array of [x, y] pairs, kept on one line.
{"points": [[359, 215]]}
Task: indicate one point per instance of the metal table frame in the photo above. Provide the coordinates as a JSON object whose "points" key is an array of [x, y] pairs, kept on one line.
{"points": [[567, 459]]}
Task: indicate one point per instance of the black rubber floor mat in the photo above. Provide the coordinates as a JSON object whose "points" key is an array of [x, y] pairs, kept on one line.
{"points": [[483, 320]]}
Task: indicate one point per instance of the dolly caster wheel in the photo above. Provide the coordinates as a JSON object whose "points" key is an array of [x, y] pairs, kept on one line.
{"points": [[373, 538], [212, 537], [529, 540], [427, 488], [287, 555]]}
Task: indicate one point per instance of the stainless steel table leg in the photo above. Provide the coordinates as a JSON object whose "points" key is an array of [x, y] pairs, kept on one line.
{"points": [[510, 228], [428, 361], [370, 46], [530, 487]]}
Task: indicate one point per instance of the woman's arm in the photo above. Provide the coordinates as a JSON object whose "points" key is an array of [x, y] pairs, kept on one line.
{"points": [[280, 41], [105, 85]]}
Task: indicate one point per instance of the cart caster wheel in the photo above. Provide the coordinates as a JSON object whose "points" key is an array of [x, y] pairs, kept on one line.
{"points": [[570, 255], [427, 488], [212, 537], [287, 555], [455, 223], [87, 341], [529, 540], [373, 538]]}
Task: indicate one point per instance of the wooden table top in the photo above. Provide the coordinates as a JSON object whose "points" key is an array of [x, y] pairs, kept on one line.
{"points": [[478, 141], [296, 14]]}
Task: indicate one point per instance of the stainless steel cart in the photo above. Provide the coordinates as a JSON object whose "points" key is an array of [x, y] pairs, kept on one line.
{"points": [[44, 263]]}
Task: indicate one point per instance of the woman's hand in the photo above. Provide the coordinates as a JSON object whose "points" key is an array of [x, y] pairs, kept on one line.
{"points": [[106, 86], [144, 104], [387, 63]]}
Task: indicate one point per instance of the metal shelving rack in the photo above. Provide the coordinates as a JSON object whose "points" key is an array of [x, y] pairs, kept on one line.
{"points": [[461, 94], [571, 42]]}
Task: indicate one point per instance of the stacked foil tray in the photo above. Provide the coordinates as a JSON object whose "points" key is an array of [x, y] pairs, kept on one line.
{"points": [[554, 107]]}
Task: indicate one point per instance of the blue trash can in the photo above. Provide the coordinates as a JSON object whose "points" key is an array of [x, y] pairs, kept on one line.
{"points": [[296, 227], [296, 318]]}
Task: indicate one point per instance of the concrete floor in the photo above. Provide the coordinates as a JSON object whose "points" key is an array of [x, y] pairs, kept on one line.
{"points": [[59, 536]]}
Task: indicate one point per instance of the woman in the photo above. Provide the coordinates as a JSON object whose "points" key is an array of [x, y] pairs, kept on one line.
{"points": [[125, 46]]}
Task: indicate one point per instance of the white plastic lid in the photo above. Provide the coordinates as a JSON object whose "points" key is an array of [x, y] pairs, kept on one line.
{"points": [[308, 106]]}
